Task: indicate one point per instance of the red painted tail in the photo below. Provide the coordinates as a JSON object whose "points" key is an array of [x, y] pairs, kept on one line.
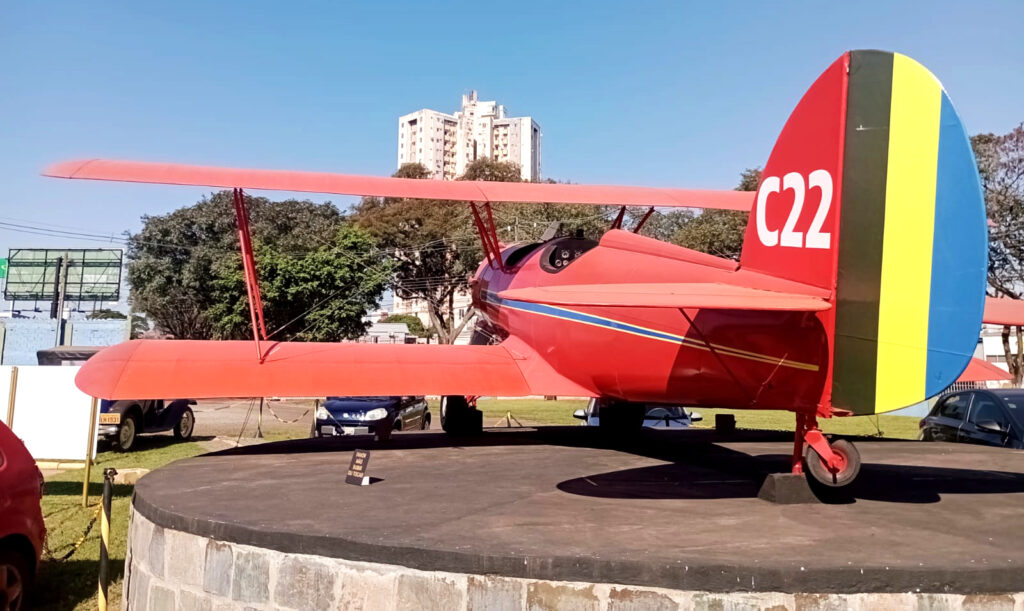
{"points": [[876, 156], [793, 230]]}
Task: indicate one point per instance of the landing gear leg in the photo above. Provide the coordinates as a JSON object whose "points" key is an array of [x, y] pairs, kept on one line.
{"points": [[832, 465], [459, 418]]}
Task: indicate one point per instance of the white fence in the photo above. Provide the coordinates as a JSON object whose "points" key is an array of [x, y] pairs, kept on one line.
{"points": [[50, 414]]}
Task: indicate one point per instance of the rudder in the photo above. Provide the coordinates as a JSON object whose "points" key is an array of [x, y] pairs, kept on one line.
{"points": [[906, 247]]}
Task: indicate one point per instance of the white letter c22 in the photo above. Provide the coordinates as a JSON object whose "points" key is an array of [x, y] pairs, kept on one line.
{"points": [[768, 237]]}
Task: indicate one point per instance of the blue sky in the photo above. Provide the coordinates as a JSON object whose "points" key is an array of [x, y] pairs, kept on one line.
{"points": [[669, 94]]}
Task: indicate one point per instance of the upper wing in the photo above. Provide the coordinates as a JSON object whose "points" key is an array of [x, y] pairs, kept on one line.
{"points": [[347, 184], [142, 369], [1003, 311], [680, 295]]}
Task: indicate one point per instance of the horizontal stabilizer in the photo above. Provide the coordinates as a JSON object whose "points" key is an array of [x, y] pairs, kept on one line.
{"points": [[707, 295], [143, 369], [377, 186], [1003, 311]]}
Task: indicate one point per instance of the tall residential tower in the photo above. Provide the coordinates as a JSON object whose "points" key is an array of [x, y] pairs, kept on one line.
{"points": [[446, 144]]}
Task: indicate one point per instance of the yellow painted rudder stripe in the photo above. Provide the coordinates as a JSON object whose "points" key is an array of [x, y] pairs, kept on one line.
{"points": [[907, 241]]}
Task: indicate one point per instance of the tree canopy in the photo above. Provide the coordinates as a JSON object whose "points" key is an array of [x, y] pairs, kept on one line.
{"points": [[411, 321], [716, 232], [1001, 167], [318, 273], [433, 246]]}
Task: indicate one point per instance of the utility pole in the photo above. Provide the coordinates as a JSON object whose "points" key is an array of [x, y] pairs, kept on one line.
{"points": [[54, 312], [62, 291]]}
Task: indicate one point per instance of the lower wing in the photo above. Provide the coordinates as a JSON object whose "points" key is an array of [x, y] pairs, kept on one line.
{"points": [[195, 369]]}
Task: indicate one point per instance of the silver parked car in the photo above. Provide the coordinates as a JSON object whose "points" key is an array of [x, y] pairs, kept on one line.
{"points": [[656, 415]]}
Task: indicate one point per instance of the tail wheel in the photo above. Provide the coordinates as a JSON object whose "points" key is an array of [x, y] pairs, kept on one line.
{"points": [[847, 457], [186, 424], [458, 418]]}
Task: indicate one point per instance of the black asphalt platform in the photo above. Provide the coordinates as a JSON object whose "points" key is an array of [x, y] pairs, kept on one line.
{"points": [[675, 509]]}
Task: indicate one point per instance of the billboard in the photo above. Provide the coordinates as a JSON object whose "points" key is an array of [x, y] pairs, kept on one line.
{"points": [[92, 274]]}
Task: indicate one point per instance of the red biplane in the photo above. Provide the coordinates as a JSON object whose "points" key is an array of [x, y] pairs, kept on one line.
{"points": [[860, 288]]}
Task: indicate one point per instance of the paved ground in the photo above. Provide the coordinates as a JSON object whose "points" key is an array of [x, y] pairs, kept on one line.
{"points": [[671, 509], [230, 417]]}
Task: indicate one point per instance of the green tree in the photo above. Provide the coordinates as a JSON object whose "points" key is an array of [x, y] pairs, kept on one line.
{"points": [[140, 325], [526, 222], [317, 273], [1001, 167], [106, 314], [433, 246], [719, 232], [412, 321]]}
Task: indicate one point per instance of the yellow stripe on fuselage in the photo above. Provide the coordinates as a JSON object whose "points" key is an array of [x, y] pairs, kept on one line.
{"points": [[907, 240]]}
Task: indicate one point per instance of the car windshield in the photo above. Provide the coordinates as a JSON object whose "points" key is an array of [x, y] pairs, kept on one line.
{"points": [[661, 412], [358, 398], [1014, 402]]}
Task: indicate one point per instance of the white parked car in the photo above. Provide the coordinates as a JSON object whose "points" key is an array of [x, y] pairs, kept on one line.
{"points": [[656, 416]]}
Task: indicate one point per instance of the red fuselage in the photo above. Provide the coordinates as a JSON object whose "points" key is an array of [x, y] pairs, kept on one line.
{"points": [[725, 358]]}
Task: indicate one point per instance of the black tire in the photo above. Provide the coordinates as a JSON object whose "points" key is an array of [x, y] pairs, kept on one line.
{"points": [[128, 432], [186, 425], [815, 466], [426, 422], [383, 432], [15, 580], [458, 418]]}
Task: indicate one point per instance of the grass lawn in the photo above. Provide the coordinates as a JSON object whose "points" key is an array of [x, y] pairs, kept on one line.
{"points": [[540, 412], [72, 584]]}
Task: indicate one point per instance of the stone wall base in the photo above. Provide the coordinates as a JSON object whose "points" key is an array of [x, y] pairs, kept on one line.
{"points": [[168, 570]]}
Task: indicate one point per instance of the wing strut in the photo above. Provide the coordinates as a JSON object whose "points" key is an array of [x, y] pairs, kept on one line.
{"points": [[488, 234], [643, 220], [252, 281]]}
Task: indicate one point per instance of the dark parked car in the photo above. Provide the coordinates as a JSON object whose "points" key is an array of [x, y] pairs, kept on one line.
{"points": [[121, 422], [22, 531], [370, 415], [988, 417]]}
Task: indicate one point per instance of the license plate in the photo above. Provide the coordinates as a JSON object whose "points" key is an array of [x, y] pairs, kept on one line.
{"points": [[327, 430], [356, 430], [110, 418]]}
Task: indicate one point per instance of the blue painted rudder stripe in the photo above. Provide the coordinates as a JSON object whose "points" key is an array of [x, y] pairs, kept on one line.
{"points": [[959, 257]]}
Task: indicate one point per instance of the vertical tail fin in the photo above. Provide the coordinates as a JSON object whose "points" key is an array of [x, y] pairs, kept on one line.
{"points": [[872, 191]]}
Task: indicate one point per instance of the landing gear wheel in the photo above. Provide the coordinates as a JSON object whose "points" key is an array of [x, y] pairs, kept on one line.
{"points": [[127, 433], [186, 424], [458, 418], [849, 464]]}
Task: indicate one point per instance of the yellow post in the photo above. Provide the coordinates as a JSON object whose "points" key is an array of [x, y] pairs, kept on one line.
{"points": [[88, 451], [10, 397]]}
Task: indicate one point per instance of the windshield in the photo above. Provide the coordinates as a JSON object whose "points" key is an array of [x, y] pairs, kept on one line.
{"points": [[359, 398], [1014, 401], [660, 413]]}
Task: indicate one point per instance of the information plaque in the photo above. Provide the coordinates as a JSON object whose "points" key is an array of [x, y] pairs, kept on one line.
{"points": [[357, 469]]}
